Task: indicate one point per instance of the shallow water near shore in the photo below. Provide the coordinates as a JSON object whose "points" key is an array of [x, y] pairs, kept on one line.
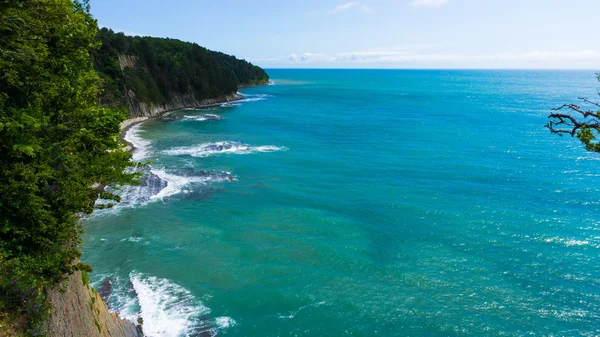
{"points": [[361, 203]]}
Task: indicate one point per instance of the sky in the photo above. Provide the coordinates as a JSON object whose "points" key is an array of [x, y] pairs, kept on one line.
{"points": [[420, 34]]}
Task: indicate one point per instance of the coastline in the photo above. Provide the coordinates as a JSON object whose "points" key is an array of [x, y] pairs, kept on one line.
{"points": [[129, 123], [245, 86]]}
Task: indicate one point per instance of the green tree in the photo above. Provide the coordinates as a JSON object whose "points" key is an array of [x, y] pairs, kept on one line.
{"points": [[576, 121], [56, 143], [161, 70]]}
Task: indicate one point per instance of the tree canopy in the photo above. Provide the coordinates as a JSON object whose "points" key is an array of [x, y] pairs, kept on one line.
{"points": [[56, 143], [576, 121], [159, 69]]}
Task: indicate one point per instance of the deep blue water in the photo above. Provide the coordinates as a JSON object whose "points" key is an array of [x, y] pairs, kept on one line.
{"points": [[362, 203]]}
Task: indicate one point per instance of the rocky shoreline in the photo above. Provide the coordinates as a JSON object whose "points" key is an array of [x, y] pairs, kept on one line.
{"points": [[206, 103]]}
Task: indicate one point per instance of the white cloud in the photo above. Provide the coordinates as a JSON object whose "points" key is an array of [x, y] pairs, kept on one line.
{"points": [[350, 5], [411, 57], [530, 58], [428, 3], [306, 57], [344, 7]]}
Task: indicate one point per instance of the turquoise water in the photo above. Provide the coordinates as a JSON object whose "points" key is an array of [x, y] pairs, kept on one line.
{"points": [[361, 203]]}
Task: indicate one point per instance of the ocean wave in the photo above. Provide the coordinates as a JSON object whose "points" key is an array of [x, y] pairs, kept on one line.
{"points": [[230, 104], [136, 239], [169, 309], [177, 184], [118, 294], [204, 117], [195, 118], [248, 98], [159, 184], [141, 145], [570, 242], [210, 149]]}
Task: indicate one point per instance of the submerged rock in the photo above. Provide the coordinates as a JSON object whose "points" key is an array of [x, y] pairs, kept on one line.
{"points": [[105, 289]]}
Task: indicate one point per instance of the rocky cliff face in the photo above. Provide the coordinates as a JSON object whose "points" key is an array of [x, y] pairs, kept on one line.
{"points": [[81, 312], [178, 102], [139, 108], [127, 61]]}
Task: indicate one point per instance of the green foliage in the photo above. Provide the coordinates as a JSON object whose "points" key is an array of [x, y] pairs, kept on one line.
{"points": [[85, 278], [55, 143], [23, 301], [97, 325], [158, 69], [579, 122], [587, 137], [84, 267]]}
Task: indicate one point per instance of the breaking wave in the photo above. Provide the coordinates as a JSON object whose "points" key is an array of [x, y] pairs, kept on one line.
{"points": [[141, 146], [210, 149], [204, 117], [176, 184], [170, 310], [248, 98], [160, 184], [195, 118]]}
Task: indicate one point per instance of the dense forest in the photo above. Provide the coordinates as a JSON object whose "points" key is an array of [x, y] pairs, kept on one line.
{"points": [[157, 69]]}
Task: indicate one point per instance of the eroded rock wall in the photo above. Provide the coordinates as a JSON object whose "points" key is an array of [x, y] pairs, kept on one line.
{"points": [[80, 312]]}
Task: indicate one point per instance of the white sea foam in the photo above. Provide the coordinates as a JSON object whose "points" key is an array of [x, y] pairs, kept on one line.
{"points": [[210, 149], [122, 297], [142, 146], [248, 98], [230, 104], [254, 99], [294, 313], [176, 183], [135, 239], [225, 322], [168, 309], [195, 118], [157, 185], [570, 242]]}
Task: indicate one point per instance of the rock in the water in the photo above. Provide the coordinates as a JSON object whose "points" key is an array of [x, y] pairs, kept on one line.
{"points": [[105, 289]]}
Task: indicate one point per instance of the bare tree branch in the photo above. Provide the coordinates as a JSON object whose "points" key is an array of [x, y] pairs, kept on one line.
{"points": [[564, 123], [590, 102]]}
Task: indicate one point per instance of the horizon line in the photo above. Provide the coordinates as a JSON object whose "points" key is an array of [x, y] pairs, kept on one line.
{"points": [[484, 69]]}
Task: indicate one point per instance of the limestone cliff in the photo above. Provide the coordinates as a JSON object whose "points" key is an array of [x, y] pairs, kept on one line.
{"points": [[80, 312]]}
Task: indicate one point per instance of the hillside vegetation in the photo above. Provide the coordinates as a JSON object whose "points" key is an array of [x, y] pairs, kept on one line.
{"points": [[158, 70]]}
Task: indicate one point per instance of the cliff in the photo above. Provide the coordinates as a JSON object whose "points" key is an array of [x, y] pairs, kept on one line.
{"points": [[138, 107], [80, 312], [149, 75]]}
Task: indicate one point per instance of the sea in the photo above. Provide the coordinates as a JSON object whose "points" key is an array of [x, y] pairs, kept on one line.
{"points": [[361, 203]]}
